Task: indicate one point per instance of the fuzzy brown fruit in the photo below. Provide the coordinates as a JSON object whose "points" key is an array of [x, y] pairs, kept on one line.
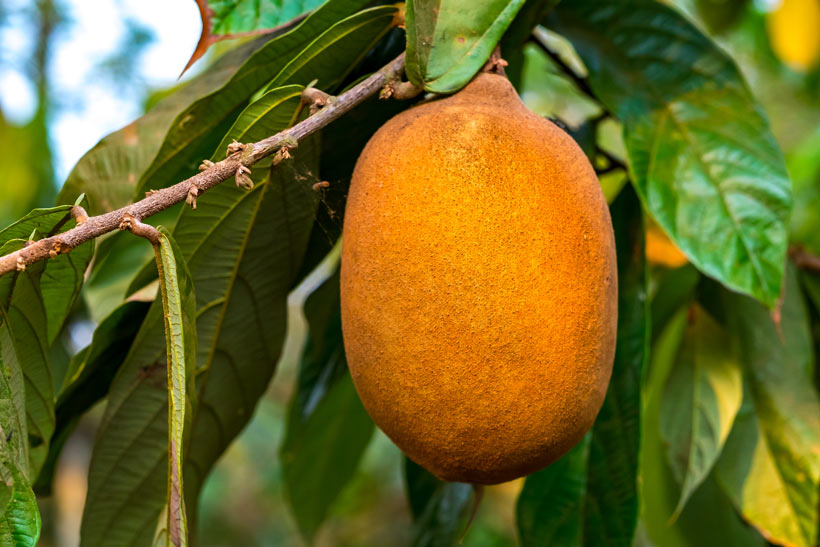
{"points": [[479, 286]]}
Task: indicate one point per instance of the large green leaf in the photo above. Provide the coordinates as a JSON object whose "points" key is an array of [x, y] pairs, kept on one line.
{"points": [[700, 402], [338, 47], [89, 376], [592, 497], [179, 314], [243, 250], [198, 128], [20, 517], [328, 429], [441, 510], [62, 278], [700, 151], [27, 348], [770, 466], [448, 41]]}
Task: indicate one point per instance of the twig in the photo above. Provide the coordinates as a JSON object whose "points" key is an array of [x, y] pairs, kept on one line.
{"points": [[804, 259], [241, 156]]}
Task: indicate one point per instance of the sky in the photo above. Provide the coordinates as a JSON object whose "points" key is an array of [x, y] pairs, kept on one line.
{"points": [[92, 107]]}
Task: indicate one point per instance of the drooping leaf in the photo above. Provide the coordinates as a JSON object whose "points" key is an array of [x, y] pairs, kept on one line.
{"points": [[708, 517], [590, 496], [328, 429], [26, 348], [20, 517], [702, 398], [448, 41], [89, 376], [198, 128], [62, 278], [179, 313], [243, 249], [224, 19], [700, 151], [440, 509], [770, 466]]}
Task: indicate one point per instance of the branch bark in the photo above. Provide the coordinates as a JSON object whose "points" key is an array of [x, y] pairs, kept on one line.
{"points": [[241, 157]]}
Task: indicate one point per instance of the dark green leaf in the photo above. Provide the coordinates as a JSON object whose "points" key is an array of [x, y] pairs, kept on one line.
{"points": [[342, 46], [448, 41], [701, 154], [27, 348], [179, 313], [89, 376], [243, 249], [551, 507], [328, 428], [590, 497], [440, 509], [199, 127], [773, 447], [702, 398], [20, 520]]}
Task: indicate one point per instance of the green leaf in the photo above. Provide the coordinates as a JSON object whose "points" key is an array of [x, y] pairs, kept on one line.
{"points": [[225, 19], [236, 16], [702, 398], [198, 128], [552, 504], [341, 46], [62, 278], [590, 496], [26, 348], [242, 249], [701, 153], [448, 41], [179, 313], [770, 466], [20, 523], [89, 377], [708, 517], [441, 510], [20, 520], [328, 429]]}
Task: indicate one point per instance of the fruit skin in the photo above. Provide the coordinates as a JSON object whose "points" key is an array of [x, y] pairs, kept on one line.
{"points": [[478, 286]]}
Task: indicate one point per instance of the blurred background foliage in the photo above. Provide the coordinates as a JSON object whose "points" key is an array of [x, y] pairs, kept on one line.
{"points": [[775, 43]]}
